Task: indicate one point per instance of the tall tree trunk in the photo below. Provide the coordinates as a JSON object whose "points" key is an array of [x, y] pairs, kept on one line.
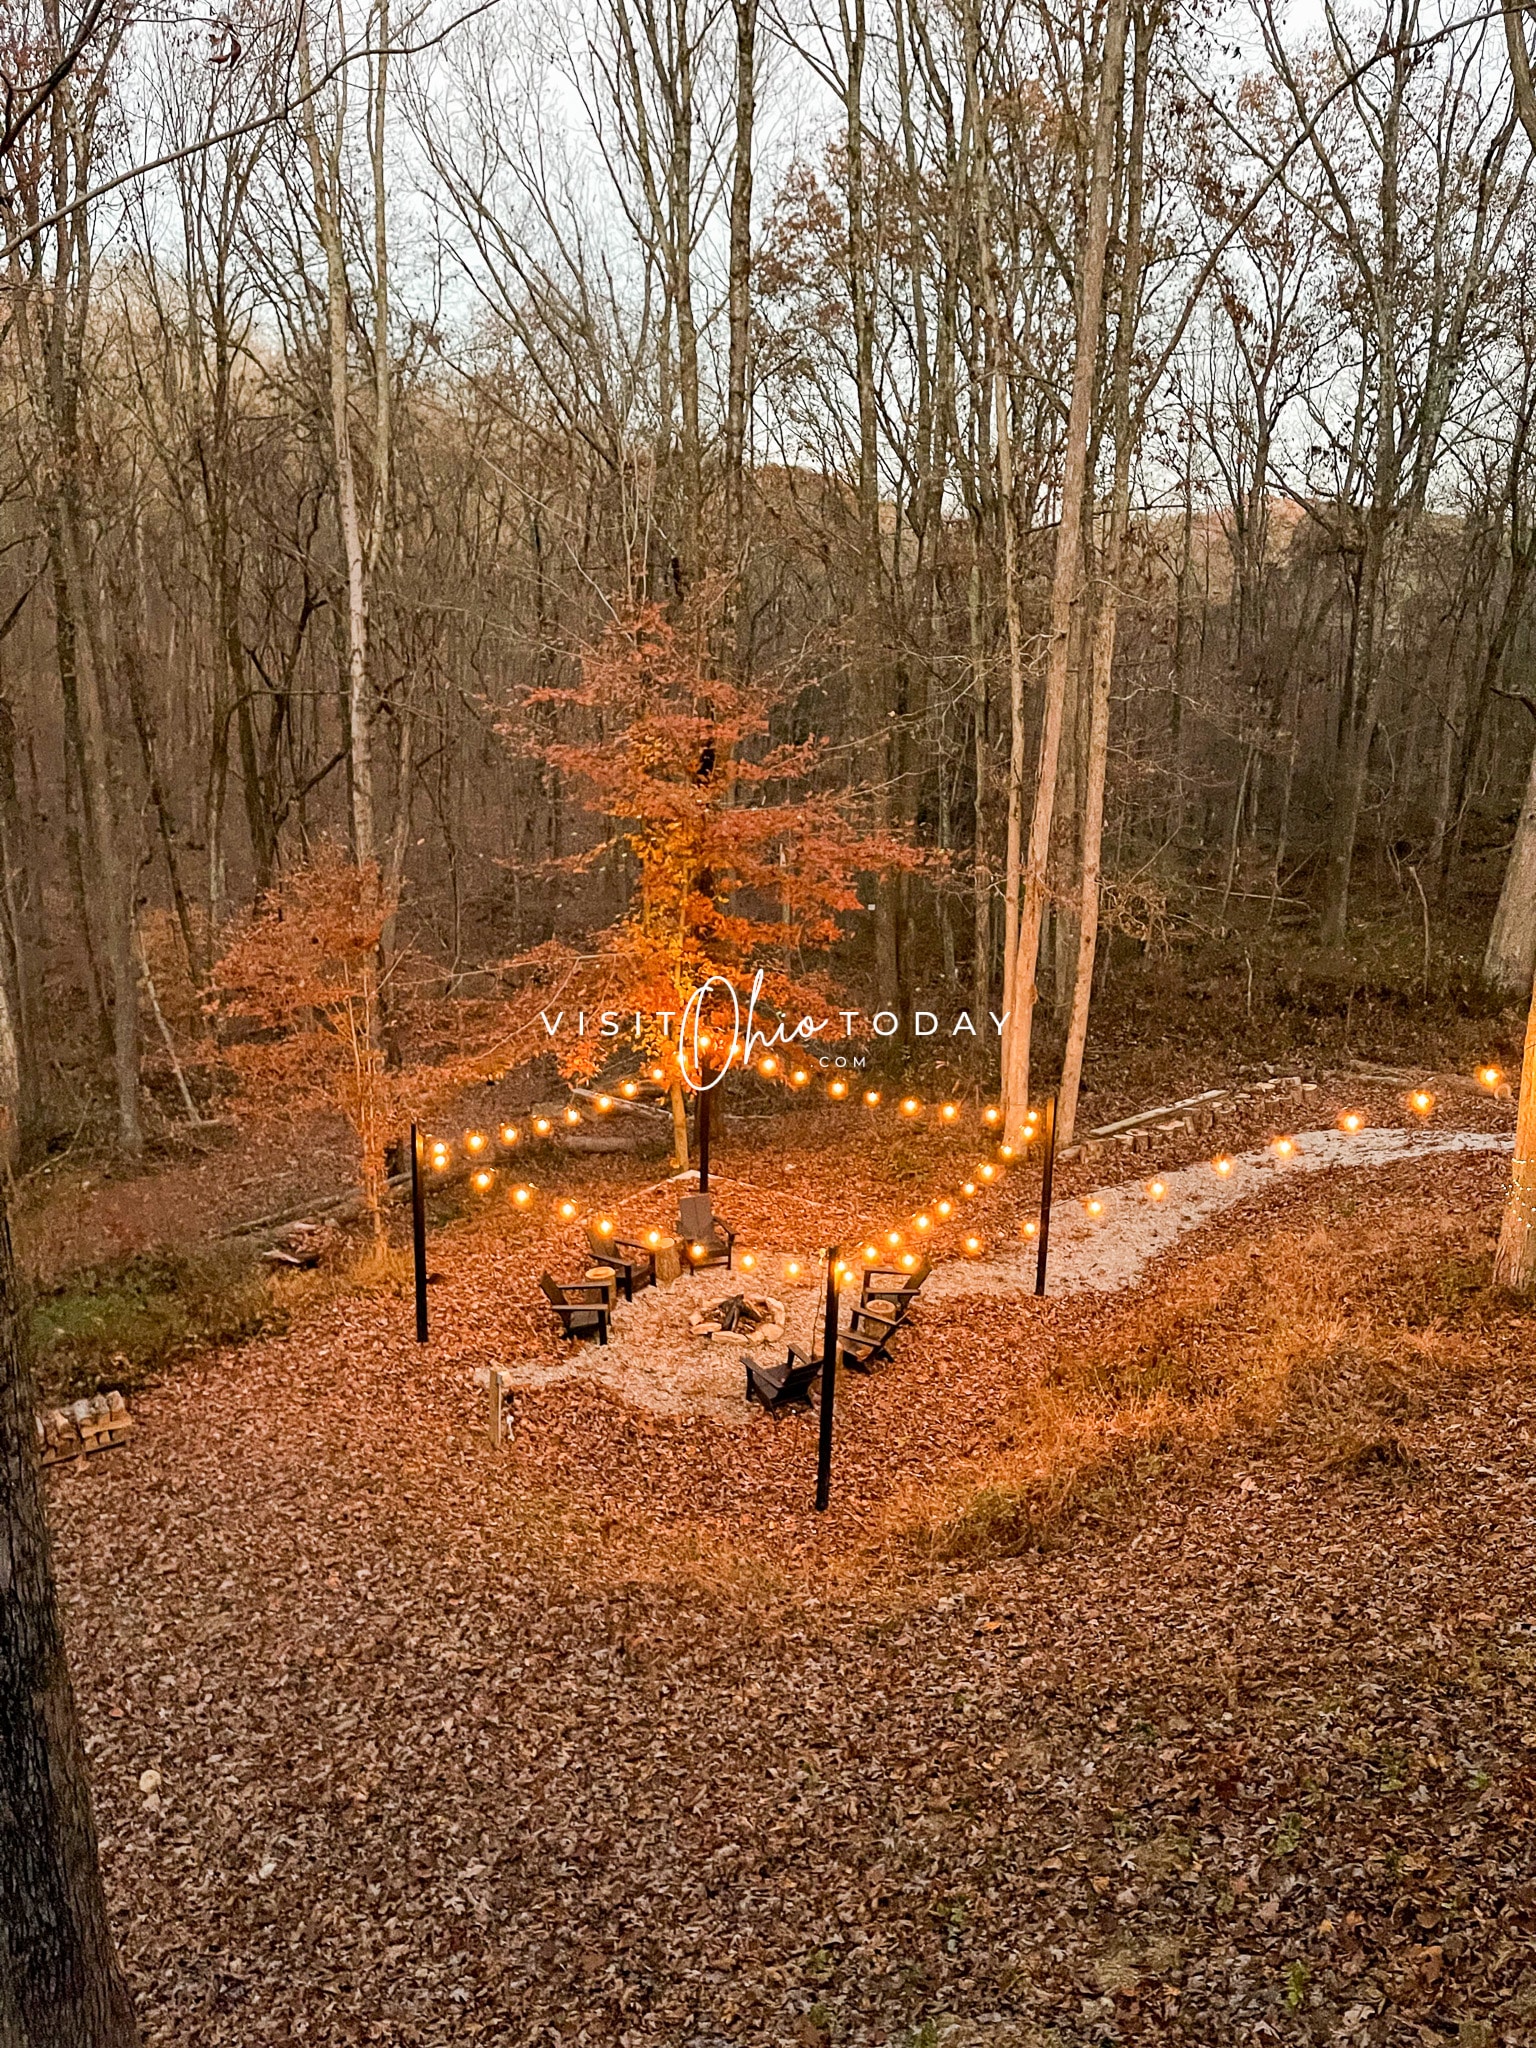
{"points": [[1066, 581], [1510, 959], [1514, 1265], [59, 1982], [739, 320]]}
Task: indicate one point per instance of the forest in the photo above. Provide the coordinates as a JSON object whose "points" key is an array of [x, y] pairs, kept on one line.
{"points": [[767, 1047]]}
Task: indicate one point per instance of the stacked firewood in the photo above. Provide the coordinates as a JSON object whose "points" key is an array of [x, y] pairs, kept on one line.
{"points": [[65, 1433], [741, 1315]]}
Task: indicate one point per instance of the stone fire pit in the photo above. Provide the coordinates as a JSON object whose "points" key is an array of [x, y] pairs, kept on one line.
{"points": [[739, 1317]]}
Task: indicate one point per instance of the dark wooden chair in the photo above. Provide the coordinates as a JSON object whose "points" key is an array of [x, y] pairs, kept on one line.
{"points": [[893, 1285], [787, 1385], [864, 1341], [634, 1263], [706, 1241], [581, 1305]]}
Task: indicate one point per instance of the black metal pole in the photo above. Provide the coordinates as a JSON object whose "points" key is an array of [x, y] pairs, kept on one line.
{"points": [[419, 1235], [1047, 1174], [702, 1120], [828, 1388]]}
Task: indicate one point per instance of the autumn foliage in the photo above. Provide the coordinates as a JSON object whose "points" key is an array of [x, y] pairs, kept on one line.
{"points": [[741, 860]]}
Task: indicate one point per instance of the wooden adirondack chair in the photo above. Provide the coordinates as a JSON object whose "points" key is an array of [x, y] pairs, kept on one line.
{"points": [[782, 1386], [706, 1241], [865, 1339], [893, 1286], [581, 1305], [634, 1263]]}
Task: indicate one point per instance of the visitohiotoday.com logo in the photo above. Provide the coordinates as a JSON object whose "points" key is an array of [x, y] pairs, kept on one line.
{"points": [[716, 1006]]}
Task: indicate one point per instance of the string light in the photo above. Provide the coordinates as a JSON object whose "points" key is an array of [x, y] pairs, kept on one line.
{"points": [[1094, 1206], [542, 1126], [1421, 1102], [770, 1067], [968, 1187], [792, 1269], [944, 1208], [1284, 1147], [605, 1103], [604, 1227], [871, 1253], [483, 1180], [696, 1251], [922, 1222], [1030, 1229], [911, 1106], [908, 1261], [509, 1134], [573, 1115], [872, 1098], [799, 1077], [838, 1089], [973, 1245], [1005, 1151], [658, 1074], [950, 1111], [748, 1260], [1223, 1166], [1031, 1116], [630, 1088], [1155, 1190], [522, 1197], [653, 1237], [1351, 1120], [1490, 1077], [439, 1162], [991, 1116], [893, 1238], [474, 1141], [987, 1172]]}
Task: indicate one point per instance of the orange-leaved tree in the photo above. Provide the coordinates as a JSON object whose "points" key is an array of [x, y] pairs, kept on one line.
{"points": [[743, 858], [301, 993]]}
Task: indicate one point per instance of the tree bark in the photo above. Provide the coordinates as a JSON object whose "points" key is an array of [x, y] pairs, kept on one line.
{"points": [[60, 1986], [1510, 960], [1066, 581], [1514, 1265]]}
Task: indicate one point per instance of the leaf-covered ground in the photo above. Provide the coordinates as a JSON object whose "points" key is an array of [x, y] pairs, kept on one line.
{"points": [[605, 1738]]}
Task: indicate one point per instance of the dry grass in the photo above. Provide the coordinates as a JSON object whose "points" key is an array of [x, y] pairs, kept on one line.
{"points": [[1334, 1338]]}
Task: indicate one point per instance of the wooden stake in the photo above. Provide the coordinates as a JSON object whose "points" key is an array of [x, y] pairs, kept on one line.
{"points": [[419, 1235], [828, 1388], [1047, 1175]]}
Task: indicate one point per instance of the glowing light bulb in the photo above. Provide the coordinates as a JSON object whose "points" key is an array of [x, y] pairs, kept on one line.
{"points": [[474, 1141], [573, 1115], [1222, 1166], [1156, 1190], [922, 1222], [658, 1074], [706, 1041], [1489, 1076], [987, 1172], [973, 1245], [769, 1067], [911, 1106], [749, 1260], [908, 1261], [1421, 1102], [567, 1210], [1284, 1147], [1031, 1116], [630, 1088], [439, 1162], [653, 1237], [871, 1253], [604, 1228], [799, 1077], [509, 1134], [605, 1103], [893, 1238], [1031, 1229], [696, 1251], [968, 1187], [792, 1269], [1094, 1206], [950, 1111], [522, 1197], [944, 1208], [541, 1125], [838, 1088], [991, 1116], [1005, 1151], [872, 1097], [1351, 1120]]}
